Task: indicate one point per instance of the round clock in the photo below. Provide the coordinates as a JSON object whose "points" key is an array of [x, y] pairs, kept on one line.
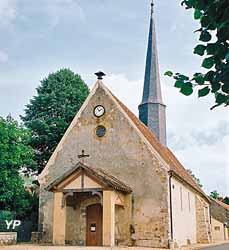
{"points": [[99, 111]]}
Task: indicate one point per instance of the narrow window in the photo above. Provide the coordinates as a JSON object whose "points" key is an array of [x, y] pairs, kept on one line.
{"points": [[189, 202], [181, 201]]}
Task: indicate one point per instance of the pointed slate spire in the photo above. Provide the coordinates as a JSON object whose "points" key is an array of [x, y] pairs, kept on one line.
{"points": [[152, 108]]}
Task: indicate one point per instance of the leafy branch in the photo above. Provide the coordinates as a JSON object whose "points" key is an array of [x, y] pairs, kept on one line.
{"points": [[213, 16]]}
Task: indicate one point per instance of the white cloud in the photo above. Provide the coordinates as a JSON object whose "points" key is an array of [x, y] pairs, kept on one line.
{"points": [[7, 12], [198, 136], [3, 57], [129, 92], [208, 162], [60, 10]]}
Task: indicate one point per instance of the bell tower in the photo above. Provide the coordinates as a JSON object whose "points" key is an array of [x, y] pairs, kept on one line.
{"points": [[152, 108]]}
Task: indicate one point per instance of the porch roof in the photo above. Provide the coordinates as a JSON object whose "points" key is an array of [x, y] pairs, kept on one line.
{"points": [[102, 176]]}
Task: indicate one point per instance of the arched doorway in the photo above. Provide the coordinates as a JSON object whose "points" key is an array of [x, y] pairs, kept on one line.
{"points": [[94, 225]]}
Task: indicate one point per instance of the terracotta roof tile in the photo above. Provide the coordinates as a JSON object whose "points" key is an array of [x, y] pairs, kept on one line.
{"points": [[174, 164]]}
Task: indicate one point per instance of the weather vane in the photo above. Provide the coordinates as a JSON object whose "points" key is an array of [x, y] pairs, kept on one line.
{"points": [[152, 5], [100, 75]]}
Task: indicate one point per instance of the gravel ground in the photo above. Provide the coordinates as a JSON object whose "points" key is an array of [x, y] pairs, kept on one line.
{"points": [[36, 247], [222, 247], [45, 247]]}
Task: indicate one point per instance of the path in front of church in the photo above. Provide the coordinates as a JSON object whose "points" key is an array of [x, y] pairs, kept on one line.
{"points": [[222, 247], [40, 247]]}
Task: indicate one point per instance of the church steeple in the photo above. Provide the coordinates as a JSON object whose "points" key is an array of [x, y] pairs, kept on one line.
{"points": [[152, 108]]}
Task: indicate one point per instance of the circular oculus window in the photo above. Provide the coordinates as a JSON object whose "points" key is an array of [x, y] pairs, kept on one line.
{"points": [[100, 131]]}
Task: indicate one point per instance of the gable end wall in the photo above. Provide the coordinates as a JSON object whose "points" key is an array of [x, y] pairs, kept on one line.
{"points": [[124, 154]]}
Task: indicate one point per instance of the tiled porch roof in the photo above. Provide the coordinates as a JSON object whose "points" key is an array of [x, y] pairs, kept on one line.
{"points": [[107, 179]]}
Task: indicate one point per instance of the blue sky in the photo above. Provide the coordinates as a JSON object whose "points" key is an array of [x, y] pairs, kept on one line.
{"points": [[39, 37]]}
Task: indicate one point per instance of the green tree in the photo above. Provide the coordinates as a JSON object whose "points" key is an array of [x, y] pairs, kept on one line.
{"points": [[197, 180], [214, 194], [226, 200], [213, 16], [16, 158], [50, 112]]}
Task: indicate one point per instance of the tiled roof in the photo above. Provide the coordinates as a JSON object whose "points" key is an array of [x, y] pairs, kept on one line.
{"points": [[219, 210], [104, 177], [175, 166], [222, 204]]}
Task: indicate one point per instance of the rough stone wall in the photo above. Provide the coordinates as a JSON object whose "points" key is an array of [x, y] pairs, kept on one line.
{"points": [[123, 222], [46, 214], [123, 153], [203, 221], [8, 238]]}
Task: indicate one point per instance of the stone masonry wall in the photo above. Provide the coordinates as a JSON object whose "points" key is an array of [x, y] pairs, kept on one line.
{"points": [[123, 222], [203, 221]]}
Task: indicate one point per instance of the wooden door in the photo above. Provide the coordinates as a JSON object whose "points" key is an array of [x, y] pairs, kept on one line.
{"points": [[94, 225]]}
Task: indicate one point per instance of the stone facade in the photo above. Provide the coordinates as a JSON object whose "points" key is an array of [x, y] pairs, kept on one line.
{"points": [[131, 159], [8, 238], [143, 218]]}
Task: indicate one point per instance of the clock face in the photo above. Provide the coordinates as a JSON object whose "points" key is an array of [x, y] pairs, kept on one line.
{"points": [[99, 111]]}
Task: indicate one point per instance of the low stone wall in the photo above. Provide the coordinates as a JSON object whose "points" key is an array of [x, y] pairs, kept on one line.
{"points": [[36, 237], [8, 238]]}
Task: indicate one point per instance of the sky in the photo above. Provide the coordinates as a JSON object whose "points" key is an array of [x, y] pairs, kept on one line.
{"points": [[40, 37]]}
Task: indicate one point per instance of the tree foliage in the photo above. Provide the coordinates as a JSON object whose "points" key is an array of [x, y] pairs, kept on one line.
{"points": [[15, 156], [226, 200], [197, 180], [213, 47], [50, 112], [215, 195]]}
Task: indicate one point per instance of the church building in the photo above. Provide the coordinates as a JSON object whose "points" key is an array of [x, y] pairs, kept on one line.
{"points": [[112, 180]]}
